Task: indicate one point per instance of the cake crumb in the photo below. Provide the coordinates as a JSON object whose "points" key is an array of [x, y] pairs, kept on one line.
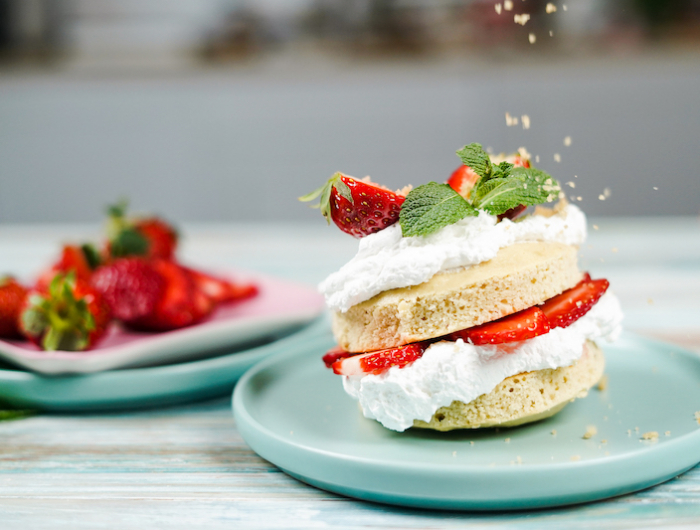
{"points": [[521, 19], [603, 383], [668, 433], [508, 5], [603, 441], [507, 440], [537, 158], [519, 460], [532, 38], [564, 7], [650, 436], [550, 8], [595, 227], [471, 443], [629, 432], [656, 189], [575, 458], [525, 119], [650, 301], [591, 431], [498, 8], [291, 433], [614, 249], [571, 184], [557, 157], [636, 429], [554, 432], [697, 417], [567, 139], [511, 121], [454, 453], [601, 197]]}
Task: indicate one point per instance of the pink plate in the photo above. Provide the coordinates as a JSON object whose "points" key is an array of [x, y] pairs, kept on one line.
{"points": [[278, 306]]}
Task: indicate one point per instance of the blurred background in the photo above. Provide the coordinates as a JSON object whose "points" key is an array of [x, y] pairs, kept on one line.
{"points": [[227, 110]]}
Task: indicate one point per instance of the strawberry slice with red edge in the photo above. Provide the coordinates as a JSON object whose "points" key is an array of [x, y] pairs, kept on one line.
{"points": [[220, 290], [523, 325], [335, 354], [357, 207], [463, 180], [566, 308], [377, 362]]}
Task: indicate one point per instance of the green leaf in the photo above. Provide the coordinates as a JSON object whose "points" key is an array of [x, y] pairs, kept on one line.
{"points": [[129, 242], [431, 207], [324, 195], [476, 158], [528, 186], [502, 170]]}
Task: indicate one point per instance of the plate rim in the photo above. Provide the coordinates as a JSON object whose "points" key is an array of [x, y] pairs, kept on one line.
{"points": [[260, 437]]}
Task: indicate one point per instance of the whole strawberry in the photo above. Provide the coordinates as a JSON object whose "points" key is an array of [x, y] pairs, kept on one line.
{"points": [[180, 304], [130, 286], [357, 207], [151, 237], [82, 260], [12, 296], [70, 315]]}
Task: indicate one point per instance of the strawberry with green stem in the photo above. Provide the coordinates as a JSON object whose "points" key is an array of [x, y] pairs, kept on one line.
{"points": [[12, 295], [357, 207], [151, 237], [70, 315]]}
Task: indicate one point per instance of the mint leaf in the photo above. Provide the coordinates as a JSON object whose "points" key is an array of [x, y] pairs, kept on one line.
{"points": [[475, 157], [528, 186], [502, 170], [430, 207]]}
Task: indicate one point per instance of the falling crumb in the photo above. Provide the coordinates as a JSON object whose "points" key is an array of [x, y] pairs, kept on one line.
{"points": [[629, 432], [564, 7], [511, 120], [668, 433], [697, 417], [579, 198], [614, 249], [567, 141], [291, 433], [519, 460], [508, 5], [636, 429], [650, 301], [571, 184], [651, 435], [603, 441], [591, 431], [471, 443], [601, 197], [554, 432], [606, 192], [526, 121], [603, 383], [537, 159], [507, 440], [454, 453], [498, 8], [575, 458], [521, 19], [551, 8], [656, 189], [551, 33], [532, 38], [557, 157], [595, 227]]}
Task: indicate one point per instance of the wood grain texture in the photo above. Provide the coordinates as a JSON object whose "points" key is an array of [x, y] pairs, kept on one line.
{"points": [[187, 467]]}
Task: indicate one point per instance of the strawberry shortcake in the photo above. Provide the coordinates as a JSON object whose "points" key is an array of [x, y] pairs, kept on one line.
{"points": [[462, 309]]}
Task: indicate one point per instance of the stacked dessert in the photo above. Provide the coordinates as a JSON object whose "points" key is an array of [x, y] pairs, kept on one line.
{"points": [[460, 310]]}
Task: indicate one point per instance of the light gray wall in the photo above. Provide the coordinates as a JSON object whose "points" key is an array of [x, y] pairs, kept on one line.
{"points": [[242, 145]]}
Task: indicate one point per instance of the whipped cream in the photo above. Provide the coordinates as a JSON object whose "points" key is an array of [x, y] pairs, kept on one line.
{"points": [[450, 371], [386, 260]]}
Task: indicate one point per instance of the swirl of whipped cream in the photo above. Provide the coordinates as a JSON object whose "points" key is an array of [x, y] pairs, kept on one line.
{"points": [[386, 260]]}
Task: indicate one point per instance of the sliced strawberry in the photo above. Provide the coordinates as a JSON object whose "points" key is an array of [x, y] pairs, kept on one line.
{"points": [[462, 180], [377, 362], [522, 325], [130, 286], [513, 212], [12, 296], [335, 354], [567, 307], [357, 207], [220, 290], [70, 315]]}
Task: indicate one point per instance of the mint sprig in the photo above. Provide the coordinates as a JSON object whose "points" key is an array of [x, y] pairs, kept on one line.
{"points": [[528, 186], [430, 207]]}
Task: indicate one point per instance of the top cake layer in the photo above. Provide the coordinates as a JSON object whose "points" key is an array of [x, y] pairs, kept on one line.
{"points": [[386, 260]]}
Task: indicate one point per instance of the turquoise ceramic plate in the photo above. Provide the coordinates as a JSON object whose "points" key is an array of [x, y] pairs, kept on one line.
{"points": [[293, 412], [145, 387]]}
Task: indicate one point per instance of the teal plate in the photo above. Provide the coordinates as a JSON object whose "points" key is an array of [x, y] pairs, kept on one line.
{"points": [[293, 412], [147, 387]]}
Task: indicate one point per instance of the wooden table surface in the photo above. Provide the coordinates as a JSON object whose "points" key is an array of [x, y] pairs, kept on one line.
{"points": [[187, 466]]}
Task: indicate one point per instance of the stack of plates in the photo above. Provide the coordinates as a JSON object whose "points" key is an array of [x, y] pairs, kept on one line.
{"points": [[130, 369]]}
